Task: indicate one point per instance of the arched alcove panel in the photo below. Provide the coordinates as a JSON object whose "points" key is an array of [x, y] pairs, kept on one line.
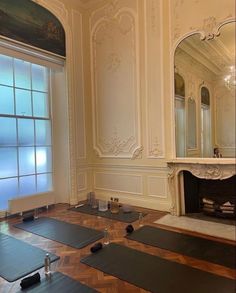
{"points": [[32, 24]]}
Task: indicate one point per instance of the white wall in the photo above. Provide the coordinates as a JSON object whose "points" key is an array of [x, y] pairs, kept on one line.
{"points": [[120, 91]]}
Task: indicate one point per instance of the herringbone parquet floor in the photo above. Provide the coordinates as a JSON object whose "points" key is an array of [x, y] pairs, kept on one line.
{"points": [[69, 262]]}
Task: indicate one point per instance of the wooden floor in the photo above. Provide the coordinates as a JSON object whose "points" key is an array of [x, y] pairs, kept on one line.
{"points": [[69, 262]]}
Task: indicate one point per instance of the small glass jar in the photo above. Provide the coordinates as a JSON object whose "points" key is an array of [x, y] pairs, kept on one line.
{"points": [[115, 206]]}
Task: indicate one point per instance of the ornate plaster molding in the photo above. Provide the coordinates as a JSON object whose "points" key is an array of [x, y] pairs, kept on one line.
{"points": [[107, 26], [211, 171], [137, 153], [116, 145], [155, 150]]}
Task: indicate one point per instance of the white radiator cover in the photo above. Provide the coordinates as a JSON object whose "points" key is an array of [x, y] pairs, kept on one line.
{"points": [[26, 203]]}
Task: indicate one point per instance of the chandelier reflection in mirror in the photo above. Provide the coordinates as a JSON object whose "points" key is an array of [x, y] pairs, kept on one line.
{"points": [[230, 79]]}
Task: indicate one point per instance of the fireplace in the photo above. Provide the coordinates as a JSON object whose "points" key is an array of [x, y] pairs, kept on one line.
{"points": [[208, 196], [197, 184]]}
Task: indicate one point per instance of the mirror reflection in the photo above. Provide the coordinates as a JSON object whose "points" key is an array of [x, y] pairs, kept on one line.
{"points": [[205, 87]]}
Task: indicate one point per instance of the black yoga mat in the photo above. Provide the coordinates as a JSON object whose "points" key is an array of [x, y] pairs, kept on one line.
{"points": [[197, 247], [69, 234], [18, 258], [121, 216], [155, 274], [58, 283]]}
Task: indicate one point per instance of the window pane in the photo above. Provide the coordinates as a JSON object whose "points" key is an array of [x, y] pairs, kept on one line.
{"points": [[27, 185], [8, 131], [39, 78], [22, 74], [40, 104], [8, 190], [23, 103], [25, 132], [8, 159], [6, 72], [26, 161], [43, 159], [6, 100], [43, 132], [44, 182]]}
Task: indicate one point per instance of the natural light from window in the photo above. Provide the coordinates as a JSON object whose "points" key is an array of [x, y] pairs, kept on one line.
{"points": [[25, 129]]}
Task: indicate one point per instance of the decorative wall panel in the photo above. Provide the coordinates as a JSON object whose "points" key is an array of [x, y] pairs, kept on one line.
{"points": [[115, 67], [82, 181], [127, 183], [225, 119], [79, 84], [157, 186], [154, 79]]}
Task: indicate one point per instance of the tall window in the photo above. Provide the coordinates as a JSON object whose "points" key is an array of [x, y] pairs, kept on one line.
{"points": [[180, 129], [25, 129], [206, 144]]}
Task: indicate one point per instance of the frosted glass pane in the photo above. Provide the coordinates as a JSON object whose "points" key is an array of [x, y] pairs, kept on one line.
{"points": [[22, 74], [43, 132], [44, 182], [23, 103], [27, 185], [25, 132], [6, 71], [8, 165], [7, 131], [43, 159], [8, 190], [40, 104], [39, 78], [26, 161], [6, 100]]}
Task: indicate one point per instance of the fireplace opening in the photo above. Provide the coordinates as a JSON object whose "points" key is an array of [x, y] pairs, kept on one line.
{"points": [[210, 197]]}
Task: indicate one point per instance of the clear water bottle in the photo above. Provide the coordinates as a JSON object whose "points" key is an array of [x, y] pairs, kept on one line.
{"points": [[47, 264], [106, 240], [140, 219]]}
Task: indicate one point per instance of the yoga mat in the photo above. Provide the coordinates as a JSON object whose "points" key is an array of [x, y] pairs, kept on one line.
{"points": [[69, 234], [18, 258], [121, 216], [58, 283], [197, 247], [155, 274]]}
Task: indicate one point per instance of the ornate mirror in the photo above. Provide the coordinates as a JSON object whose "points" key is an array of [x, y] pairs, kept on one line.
{"points": [[205, 87]]}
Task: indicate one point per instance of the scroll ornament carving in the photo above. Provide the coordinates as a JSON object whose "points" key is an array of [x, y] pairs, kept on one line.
{"points": [[116, 145], [113, 62], [171, 183], [155, 150], [138, 153], [209, 28], [212, 171]]}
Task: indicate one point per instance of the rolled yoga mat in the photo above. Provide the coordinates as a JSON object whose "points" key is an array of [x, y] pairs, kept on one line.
{"points": [[69, 234], [196, 247], [129, 217], [18, 258], [58, 283], [155, 274]]}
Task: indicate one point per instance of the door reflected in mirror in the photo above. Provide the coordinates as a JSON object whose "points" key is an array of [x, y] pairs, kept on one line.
{"points": [[205, 87]]}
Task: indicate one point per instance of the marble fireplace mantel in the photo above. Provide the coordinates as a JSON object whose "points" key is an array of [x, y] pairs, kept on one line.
{"points": [[210, 168]]}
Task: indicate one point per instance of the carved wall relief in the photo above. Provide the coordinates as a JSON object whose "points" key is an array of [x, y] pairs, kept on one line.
{"points": [[114, 51]]}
